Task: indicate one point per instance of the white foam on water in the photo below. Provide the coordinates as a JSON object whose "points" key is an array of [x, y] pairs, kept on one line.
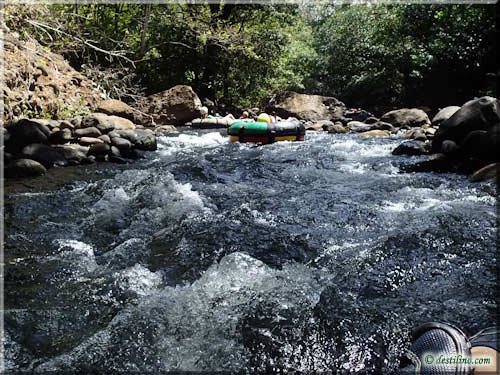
{"points": [[354, 168], [79, 255], [186, 192], [197, 326], [355, 149], [139, 280], [113, 200], [169, 145], [440, 198]]}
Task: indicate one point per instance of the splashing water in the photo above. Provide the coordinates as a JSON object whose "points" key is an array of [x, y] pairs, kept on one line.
{"points": [[213, 256]]}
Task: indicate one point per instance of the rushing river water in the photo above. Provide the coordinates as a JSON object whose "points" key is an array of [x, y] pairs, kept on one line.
{"points": [[207, 255]]}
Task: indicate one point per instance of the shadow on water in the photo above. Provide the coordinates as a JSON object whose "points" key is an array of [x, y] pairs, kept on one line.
{"points": [[207, 255]]}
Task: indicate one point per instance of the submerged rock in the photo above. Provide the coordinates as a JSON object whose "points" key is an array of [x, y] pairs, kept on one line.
{"points": [[487, 173]]}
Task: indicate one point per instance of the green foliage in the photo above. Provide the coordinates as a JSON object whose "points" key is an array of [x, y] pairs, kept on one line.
{"points": [[404, 54], [379, 54]]}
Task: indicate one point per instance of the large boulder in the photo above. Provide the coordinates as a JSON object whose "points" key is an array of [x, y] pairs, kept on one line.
{"points": [[118, 108], [481, 144], [444, 114], [406, 117], [97, 120], [479, 114], [45, 155], [305, 107], [121, 123], [175, 106], [24, 168], [25, 132]]}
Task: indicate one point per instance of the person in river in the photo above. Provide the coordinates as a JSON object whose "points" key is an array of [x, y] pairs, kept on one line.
{"points": [[440, 348], [204, 112]]}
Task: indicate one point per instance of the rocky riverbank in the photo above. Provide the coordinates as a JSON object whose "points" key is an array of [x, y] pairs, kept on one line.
{"points": [[86, 127]]}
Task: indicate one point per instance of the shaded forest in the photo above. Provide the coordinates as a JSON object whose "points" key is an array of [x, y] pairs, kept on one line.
{"points": [[376, 57]]}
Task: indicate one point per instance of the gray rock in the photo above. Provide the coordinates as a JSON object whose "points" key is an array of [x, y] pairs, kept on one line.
{"points": [[116, 108], [115, 152], [73, 152], [105, 138], [99, 121], [120, 123], [337, 128], [487, 173], [304, 107], [24, 168], [124, 145], [146, 140], [411, 148], [358, 115], [176, 106], [25, 132], [65, 124], [45, 155], [374, 134], [416, 133], [88, 141], [371, 120], [99, 149], [77, 122], [448, 147], [444, 114], [88, 132], [359, 127], [61, 136], [479, 114], [381, 125], [410, 117]]}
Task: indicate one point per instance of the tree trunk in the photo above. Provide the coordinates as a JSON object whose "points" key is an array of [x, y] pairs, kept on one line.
{"points": [[145, 24]]}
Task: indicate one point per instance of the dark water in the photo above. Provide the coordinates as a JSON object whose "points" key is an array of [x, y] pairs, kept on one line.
{"points": [[208, 255]]}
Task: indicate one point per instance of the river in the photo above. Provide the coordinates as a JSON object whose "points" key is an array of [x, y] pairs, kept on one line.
{"points": [[213, 256]]}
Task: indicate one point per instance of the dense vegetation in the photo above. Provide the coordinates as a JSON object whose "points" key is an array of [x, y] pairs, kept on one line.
{"points": [[374, 56]]}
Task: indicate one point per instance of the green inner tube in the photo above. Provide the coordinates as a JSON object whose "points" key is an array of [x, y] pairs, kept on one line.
{"points": [[291, 126], [250, 128]]}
